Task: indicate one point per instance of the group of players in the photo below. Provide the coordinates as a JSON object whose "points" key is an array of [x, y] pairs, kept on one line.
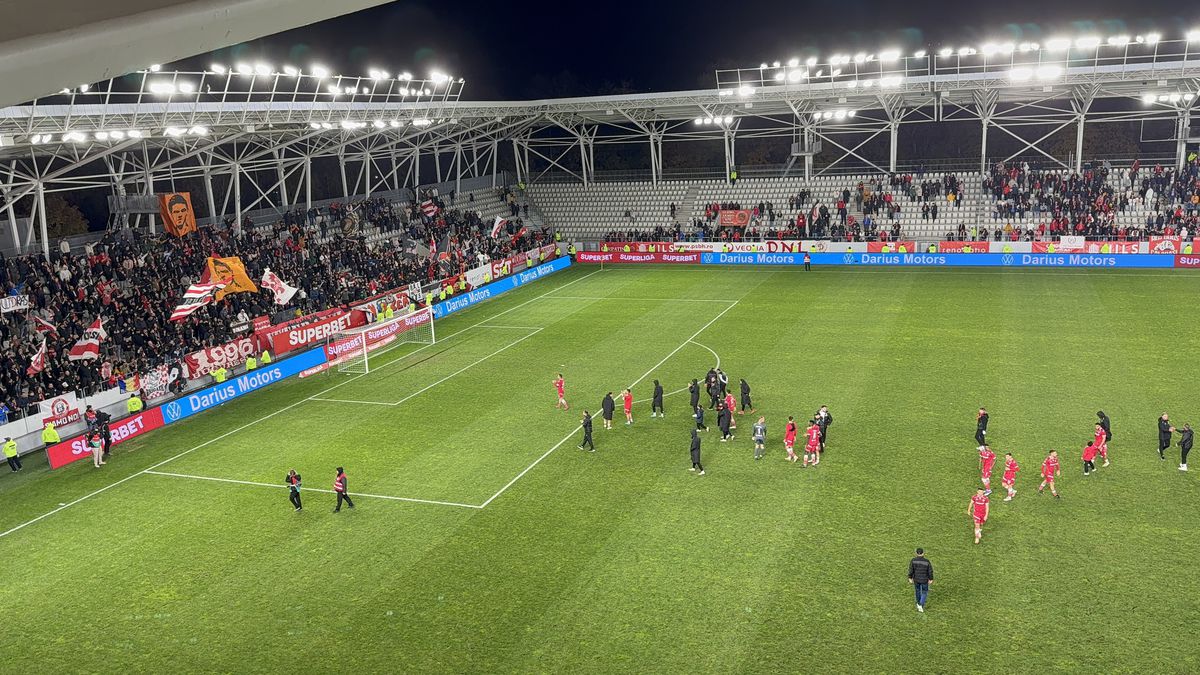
{"points": [[980, 506], [721, 400]]}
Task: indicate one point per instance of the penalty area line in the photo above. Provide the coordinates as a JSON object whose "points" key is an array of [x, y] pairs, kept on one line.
{"points": [[272, 485]]}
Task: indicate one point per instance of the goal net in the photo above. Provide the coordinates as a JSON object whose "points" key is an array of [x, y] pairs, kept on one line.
{"points": [[353, 350]]}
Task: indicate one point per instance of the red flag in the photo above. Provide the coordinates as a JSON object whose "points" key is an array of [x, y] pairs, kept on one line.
{"points": [[38, 362], [429, 208], [196, 296], [43, 326], [88, 346]]}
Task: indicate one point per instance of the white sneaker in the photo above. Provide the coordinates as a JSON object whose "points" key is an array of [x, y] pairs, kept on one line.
{"points": [[1183, 467], [692, 469], [701, 473], [920, 609]]}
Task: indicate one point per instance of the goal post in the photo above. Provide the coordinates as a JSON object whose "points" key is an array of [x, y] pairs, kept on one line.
{"points": [[352, 350]]}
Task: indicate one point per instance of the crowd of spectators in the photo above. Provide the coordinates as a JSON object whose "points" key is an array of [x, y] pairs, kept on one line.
{"points": [[134, 280]]}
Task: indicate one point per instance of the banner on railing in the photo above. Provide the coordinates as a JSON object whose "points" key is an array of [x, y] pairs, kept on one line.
{"points": [[464, 300], [311, 333], [1166, 245], [734, 217], [14, 303], [891, 247], [203, 362], [963, 247], [62, 410], [622, 257]]}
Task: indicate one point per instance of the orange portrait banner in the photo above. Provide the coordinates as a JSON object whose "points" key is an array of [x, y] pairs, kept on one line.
{"points": [[177, 214]]}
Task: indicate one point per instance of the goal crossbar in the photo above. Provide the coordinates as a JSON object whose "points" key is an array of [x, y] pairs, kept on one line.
{"points": [[351, 350]]}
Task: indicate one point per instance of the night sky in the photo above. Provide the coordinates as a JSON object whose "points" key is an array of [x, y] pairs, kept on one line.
{"points": [[541, 49]]}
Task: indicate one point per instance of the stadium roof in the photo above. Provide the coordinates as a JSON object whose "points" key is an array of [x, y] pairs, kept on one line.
{"points": [[46, 46]]}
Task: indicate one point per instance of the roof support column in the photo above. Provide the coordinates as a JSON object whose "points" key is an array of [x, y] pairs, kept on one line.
{"points": [[307, 182], [985, 106], [237, 198], [1081, 102], [40, 193], [1183, 126]]}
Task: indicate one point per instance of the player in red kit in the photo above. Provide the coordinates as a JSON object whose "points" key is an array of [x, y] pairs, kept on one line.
{"points": [[1010, 476], [987, 459], [731, 405], [560, 387], [789, 439], [812, 450], [1089, 458], [627, 399], [979, 511], [1050, 471], [1101, 443]]}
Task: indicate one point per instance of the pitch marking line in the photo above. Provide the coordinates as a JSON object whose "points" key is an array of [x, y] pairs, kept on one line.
{"points": [[434, 384], [272, 485], [574, 431], [618, 297], [270, 415]]}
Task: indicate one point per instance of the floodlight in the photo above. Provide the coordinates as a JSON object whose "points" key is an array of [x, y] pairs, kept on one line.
{"points": [[333, 89], [116, 135], [762, 66], [890, 55], [1006, 47], [422, 123], [379, 124], [745, 90], [811, 61], [840, 115], [1048, 72], [867, 83], [775, 64], [427, 92], [102, 135], [174, 131], [349, 90], [1193, 36], [1020, 74], [290, 71], [1152, 38], [819, 72], [365, 90], [699, 120], [852, 84], [728, 119], [154, 67], [326, 125], [439, 78], [315, 125], [83, 88], [780, 76], [860, 58], [795, 75], [725, 92], [708, 120], [404, 91], [1118, 41], [217, 68], [919, 54], [136, 133], [319, 71], [870, 58], [1174, 97], [836, 72], [966, 51], [244, 69], [828, 114], [262, 69], [1027, 46], [945, 51], [1162, 98], [198, 131], [187, 87], [65, 91], [1087, 42], [891, 81], [793, 62], [394, 123], [851, 113], [405, 76], [989, 49], [817, 117], [163, 88], [1058, 44], [1189, 96]]}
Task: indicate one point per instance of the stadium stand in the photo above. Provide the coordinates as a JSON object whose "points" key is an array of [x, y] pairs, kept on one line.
{"points": [[336, 254]]}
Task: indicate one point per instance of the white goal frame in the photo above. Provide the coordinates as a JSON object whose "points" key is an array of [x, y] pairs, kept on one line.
{"points": [[351, 349]]}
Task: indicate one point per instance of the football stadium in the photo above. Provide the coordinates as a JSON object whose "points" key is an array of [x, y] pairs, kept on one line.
{"points": [[871, 356]]}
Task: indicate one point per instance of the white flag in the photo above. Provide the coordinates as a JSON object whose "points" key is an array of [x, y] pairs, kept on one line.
{"points": [[497, 226], [88, 346], [283, 292]]}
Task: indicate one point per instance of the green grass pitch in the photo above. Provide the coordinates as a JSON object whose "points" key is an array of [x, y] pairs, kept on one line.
{"points": [[528, 555]]}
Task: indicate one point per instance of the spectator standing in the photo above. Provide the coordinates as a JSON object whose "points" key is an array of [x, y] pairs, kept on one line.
{"points": [[920, 575]]}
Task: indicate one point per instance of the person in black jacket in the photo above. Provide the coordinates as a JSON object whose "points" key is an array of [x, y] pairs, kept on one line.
{"points": [[1106, 425], [824, 421], [656, 406], [293, 483], [694, 393], [920, 575], [981, 421], [724, 421], [1164, 435], [695, 452], [1185, 445], [699, 415], [746, 403], [586, 423], [607, 406], [714, 390]]}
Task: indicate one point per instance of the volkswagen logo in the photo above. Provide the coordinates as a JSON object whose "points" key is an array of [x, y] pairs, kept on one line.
{"points": [[1007, 259], [173, 411], [848, 259], [707, 258]]}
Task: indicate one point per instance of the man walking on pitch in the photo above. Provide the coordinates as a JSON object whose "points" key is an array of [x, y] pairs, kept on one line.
{"points": [[11, 455], [627, 400], [760, 437], [695, 452], [789, 439], [560, 389], [812, 449], [341, 487], [1100, 441], [981, 422], [1010, 476], [1164, 435], [724, 415], [699, 415], [586, 423], [1185, 445], [920, 575], [293, 483], [746, 403], [987, 459], [694, 393], [1105, 424], [1050, 471], [978, 510], [731, 406], [824, 420], [607, 406], [656, 407]]}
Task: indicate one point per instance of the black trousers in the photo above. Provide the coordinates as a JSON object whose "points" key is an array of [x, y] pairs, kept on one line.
{"points": [[1183, 453], [746, 403], [696, 461], [343, 496], [294, 495], [1088, 466], [656, 405], [979, 437], [700, 426], [14, 462], [807, 266], [587, 440]]}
